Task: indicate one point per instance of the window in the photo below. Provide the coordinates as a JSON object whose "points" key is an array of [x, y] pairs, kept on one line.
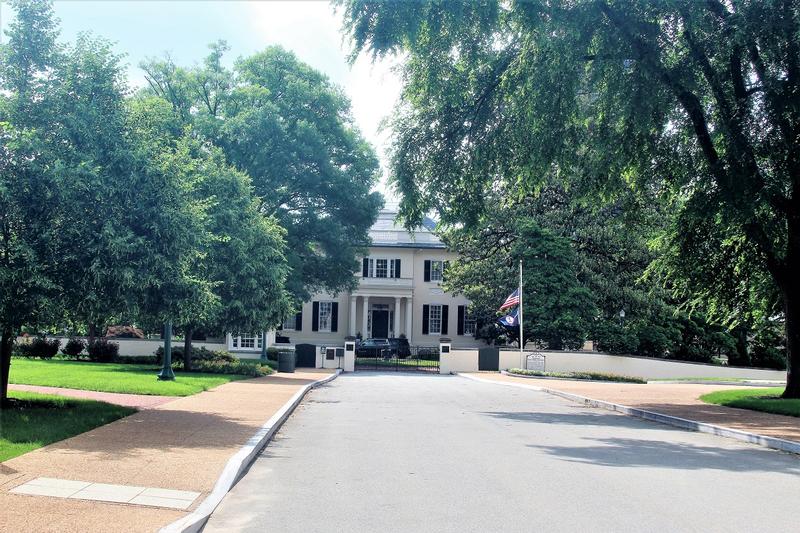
{"points": [[325, 313], [247, 342], [434, 319], [437, 270], [289, 323], [469, 324], [381, 268]]}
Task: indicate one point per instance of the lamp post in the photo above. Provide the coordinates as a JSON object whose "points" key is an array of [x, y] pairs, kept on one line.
{"points": [[621, 316], [166, 373]]}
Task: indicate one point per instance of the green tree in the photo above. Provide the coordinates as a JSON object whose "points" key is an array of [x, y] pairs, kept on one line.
{"points": [[557, 309], [698, 101], [286, 126], [29, 218]]}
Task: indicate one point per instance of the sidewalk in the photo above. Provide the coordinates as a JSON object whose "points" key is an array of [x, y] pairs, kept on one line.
{"points": [[681, 400], [181, 445], [139, 401]]}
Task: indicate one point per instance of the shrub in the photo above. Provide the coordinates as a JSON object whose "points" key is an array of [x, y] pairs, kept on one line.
{"points": [[222, 367], [74, 347], [102, 350], [198, 354], [40, 347]]}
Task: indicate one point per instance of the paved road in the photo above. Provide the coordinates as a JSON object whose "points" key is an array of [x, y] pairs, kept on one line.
{"points": [[385, 452]]}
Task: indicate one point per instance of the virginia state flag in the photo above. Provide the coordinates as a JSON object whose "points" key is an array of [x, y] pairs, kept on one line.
{"points": [[511, 320]]}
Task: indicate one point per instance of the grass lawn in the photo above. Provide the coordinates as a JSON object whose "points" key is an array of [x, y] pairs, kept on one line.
{"points": [[36, 420], [112, 377], [767, 400], [593, 376]]}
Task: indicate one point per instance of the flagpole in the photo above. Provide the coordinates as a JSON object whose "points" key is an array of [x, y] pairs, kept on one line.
{"points": [[521, 336]]}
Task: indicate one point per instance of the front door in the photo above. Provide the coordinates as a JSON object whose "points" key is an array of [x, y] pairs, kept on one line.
{"points": [[380, 324]]}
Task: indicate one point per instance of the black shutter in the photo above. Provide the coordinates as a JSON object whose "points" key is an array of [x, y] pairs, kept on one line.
{"points": [[444, 319], [298, 321], [334, 316], [425, 309], [461, 319], [397, 268], [315, 316], [365, 268], [427, 270]]}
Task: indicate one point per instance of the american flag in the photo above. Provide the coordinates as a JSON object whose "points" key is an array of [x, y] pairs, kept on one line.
{"points": [[511, 301]]}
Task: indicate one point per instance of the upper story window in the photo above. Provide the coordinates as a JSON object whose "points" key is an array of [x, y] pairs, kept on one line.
{"points": [[434, 269], [325, 313], [380, 268], [289, 323]]}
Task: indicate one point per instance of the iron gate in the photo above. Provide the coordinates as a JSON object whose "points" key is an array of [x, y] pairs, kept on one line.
{"points": [[306, 355], [489, 358], [404, 359]]}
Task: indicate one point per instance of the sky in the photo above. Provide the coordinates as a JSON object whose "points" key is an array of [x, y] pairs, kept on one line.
{"points": [[310, 28]]}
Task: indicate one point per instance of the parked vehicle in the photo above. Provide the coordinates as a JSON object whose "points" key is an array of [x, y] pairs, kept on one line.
{"points": [[373, 348], [400, 347]]}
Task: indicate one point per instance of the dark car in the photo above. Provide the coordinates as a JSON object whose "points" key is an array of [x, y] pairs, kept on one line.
{"points": [[373, 348], [400, 347]]}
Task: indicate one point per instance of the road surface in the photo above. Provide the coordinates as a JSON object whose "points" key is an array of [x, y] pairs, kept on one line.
{"points": [[404, 452]]}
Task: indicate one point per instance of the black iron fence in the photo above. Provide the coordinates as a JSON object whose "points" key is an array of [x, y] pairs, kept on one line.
{"points": [[400, 359]]}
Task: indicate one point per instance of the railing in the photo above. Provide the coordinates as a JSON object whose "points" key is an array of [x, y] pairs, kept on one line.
{"points": [[399, 283]]}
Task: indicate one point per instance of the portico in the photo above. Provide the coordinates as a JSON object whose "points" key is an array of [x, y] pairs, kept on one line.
{"points": [[381, 314]]}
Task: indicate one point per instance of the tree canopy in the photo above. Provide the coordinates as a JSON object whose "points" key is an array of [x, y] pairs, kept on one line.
{"points": [[286, 126], [695, 102]]}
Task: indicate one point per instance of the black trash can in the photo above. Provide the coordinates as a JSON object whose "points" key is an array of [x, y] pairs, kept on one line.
{"points": [[286, 362]]}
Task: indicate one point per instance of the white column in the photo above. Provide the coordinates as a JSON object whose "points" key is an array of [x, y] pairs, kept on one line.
{"points": [[364, 331], [396, 316], [408, 319], [352, 327]]}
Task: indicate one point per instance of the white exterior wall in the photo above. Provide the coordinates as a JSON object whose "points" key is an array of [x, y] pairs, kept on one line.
{"points": [[638, 367], [458, 361]]}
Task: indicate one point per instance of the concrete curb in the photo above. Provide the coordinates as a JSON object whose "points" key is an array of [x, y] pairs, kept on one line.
{"points": [[237, 464], [506, 373], [683, 423]]}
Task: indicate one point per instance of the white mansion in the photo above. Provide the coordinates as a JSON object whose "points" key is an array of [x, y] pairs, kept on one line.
{"points": [[399, 293]]}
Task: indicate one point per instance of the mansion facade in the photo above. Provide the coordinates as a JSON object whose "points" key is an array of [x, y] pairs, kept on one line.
{"points": [[399, 293]]}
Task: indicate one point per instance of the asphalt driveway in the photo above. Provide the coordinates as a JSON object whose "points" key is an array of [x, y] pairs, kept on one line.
{"points": [[402, 452]]}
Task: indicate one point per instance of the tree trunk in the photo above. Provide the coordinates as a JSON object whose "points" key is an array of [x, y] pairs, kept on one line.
{"points": [[92, 333], [6, 344], [790, 290], [187, 348], [791, 309]]}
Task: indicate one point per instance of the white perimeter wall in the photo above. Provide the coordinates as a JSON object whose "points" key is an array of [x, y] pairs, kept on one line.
{"points": [[638, 367], [467, 361]]}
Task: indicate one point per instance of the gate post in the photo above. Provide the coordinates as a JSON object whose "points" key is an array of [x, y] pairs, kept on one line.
{"points": [[349, 354], [445, 345]]}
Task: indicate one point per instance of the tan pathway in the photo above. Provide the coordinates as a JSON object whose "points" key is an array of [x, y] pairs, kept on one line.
{"points": [[139, 401], [681, 400], [181, 445]]}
